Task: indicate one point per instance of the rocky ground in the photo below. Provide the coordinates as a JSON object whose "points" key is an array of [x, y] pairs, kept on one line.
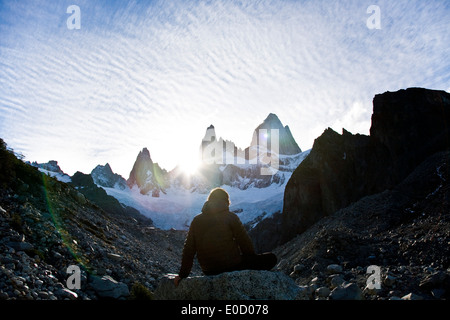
{"points": [[404, 231], [48, 226]]}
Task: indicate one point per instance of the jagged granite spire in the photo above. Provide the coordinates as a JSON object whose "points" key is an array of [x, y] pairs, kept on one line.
{"points": [[105, 177], [287, 143]]}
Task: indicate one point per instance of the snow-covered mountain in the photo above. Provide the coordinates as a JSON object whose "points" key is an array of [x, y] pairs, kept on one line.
{"points": [[255, 178], [52, 169], [104, 176], [177, 206], [146, 175]]}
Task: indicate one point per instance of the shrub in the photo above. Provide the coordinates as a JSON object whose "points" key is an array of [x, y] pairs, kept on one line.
{"points": [[140, 292]]}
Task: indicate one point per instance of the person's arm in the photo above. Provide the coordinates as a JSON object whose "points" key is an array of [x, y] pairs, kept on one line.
{"points": [[189, 251], [241, 236]]}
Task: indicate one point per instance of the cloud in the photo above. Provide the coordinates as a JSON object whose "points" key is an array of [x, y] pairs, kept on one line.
{"points": [[156, 74]]}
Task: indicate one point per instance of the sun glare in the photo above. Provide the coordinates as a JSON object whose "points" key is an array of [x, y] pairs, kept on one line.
{"points": [[189, 166]]}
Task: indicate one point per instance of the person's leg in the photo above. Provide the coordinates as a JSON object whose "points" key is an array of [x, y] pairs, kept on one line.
{"points": [[265, 261]]}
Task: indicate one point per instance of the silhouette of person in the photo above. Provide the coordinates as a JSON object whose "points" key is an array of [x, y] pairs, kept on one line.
{"points": [[220, 241]]}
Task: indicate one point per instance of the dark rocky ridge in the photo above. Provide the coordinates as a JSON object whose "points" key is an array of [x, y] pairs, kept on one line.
{"points": [[405, 231], [407, 127], [84, 183]]}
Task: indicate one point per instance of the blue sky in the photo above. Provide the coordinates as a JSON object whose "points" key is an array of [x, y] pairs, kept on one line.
{"points": [[156, 74]]}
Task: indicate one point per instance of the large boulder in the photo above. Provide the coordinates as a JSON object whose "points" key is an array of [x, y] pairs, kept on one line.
{"points": [[237, 285]]}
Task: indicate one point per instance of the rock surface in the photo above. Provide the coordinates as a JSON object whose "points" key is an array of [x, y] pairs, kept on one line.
{"points": [[407, 127], [45, 228], [237, 285], [405, 231], [107, 287]]}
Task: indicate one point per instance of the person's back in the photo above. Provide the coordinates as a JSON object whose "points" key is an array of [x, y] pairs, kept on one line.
{"points": [[220, 241], [220, 238]]}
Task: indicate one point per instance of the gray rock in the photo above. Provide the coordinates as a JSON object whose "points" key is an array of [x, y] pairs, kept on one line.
{"points": [[80, 198], [347, 291], [107, 287], [335, 281], [66, 294], [237, 285], [412, 296], [438, 293], [20, 246], [334, 268], [299, 268], [322, 292], [114, 256], [389, 280]]}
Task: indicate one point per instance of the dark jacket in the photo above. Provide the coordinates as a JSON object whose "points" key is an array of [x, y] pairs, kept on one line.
{"points": [[218, 238]]}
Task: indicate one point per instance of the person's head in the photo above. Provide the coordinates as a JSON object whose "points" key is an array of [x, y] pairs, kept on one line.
{"points": [[219, 194]]}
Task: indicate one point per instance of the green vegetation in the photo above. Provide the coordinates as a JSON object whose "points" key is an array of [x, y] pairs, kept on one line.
{"points": [[140, 292]]}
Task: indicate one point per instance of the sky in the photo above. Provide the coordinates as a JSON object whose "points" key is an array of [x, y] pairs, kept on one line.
{"points": [[156, 74]]}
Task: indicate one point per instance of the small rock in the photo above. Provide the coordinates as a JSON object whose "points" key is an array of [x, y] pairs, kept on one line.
{"points": [[334, 268], [43, 295], [437, 293], [336, 281], [80, 198], [114, 256], [434, 280], [20, 246], [38, 283], [347, 291], [299, 268], [107, 287], [66, 294], [389, 280], [322, 292], [412, 296], [314, 281]]}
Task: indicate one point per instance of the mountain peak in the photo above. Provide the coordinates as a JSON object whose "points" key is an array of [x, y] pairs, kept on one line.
{"points": [[287, 143], [104, 176], [271, 122], [144, 154], [106, 168], [210, 134], [272, 117]]}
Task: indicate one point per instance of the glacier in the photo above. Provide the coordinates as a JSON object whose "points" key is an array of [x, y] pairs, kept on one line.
{"points": [[177, 206]]}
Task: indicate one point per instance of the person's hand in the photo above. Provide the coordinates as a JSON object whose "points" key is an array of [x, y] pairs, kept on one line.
{"points": [[176, 280]]}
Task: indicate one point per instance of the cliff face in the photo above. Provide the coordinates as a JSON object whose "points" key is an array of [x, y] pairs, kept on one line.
{"points": [[411, 124], [407, 127]]}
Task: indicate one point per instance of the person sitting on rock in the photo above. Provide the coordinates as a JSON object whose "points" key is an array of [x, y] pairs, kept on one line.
{"points": [[220, 241]]}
